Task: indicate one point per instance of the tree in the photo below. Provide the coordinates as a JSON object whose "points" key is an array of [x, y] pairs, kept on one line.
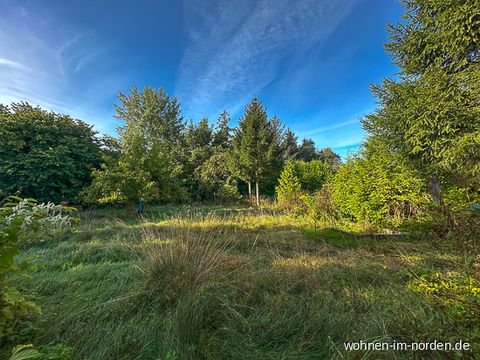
{"points": [[307, 151], [301, 178], [152, 146], [222, 136], [331, 158], [110, 149], [217, 180], [431, 114], [254, 146], [45, 155], [198, 139], [289, 146], [277, 131]]}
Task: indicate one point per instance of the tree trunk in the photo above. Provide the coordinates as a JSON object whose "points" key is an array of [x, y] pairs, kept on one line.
{"points": [[250, 191], [257, 190], [436, 191], [435, 188]]}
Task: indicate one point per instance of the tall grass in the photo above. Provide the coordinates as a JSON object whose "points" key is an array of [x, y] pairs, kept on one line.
{"points": [[242, 285], [182, 259]]}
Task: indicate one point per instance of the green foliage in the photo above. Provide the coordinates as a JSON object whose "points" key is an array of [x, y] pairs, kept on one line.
{"points": [[460, 294], [288, 188], [458, 198], [44, 154], [319, 207], [436, 33], [23, 221], [199, 138], [307, 151], [222, 136], [151, 161], [256, 145], [24, 352], [217, 180], [312, 174], [209, 167], [301, 177], [289, 146], [431, 114], [377, 188], [45, 352]]}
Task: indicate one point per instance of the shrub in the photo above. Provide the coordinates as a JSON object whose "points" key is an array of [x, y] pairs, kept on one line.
{"points": [[375, 187], [23, 221], [320, 208], [288, 189], [298, 178]]}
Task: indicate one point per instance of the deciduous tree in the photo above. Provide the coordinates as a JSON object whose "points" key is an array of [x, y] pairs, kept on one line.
{"points": [[45, 155]]}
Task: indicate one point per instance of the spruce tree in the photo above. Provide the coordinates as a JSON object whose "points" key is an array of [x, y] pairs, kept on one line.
{"points": [[254, 146], [430, 114], [290, 145], [222, 135]]}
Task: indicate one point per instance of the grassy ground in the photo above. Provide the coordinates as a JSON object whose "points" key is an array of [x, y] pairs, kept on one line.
{"points": [[236, 283]]}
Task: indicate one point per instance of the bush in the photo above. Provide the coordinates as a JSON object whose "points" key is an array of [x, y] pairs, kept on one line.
{"points": [[298, 178], [23, 221], [288, 189], [375, 187], [320, 208]]}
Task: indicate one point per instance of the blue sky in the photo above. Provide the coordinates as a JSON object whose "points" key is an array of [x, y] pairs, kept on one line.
{"points": [[309, 61]]}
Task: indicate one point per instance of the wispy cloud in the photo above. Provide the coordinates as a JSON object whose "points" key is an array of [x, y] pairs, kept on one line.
{"points": [[328, 128], [11, 63], [234, 49], [44, 67]]}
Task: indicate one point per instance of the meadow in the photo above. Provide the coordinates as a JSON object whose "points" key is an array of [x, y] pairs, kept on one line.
{"points": [[212, 282]]}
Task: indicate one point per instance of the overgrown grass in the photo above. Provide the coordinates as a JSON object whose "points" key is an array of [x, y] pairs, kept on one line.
{"points": [[238, 283]]}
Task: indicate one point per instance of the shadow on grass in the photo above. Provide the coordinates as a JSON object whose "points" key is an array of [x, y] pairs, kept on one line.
{"points": [[165, 212], [347, 239]]}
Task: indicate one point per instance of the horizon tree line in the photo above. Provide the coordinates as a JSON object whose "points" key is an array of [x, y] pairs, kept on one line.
{"points": [[157, 155]]}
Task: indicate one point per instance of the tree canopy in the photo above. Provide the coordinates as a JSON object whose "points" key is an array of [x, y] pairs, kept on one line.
{"points": [[45, 155]]}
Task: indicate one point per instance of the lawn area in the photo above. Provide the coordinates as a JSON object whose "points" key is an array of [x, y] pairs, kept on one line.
{"points": [[238, 283]]}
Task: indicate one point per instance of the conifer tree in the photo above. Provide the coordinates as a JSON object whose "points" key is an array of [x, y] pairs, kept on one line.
{"points": [[222, 134], [288, 189], [254, 146], [290, 145], [431, 113]]}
